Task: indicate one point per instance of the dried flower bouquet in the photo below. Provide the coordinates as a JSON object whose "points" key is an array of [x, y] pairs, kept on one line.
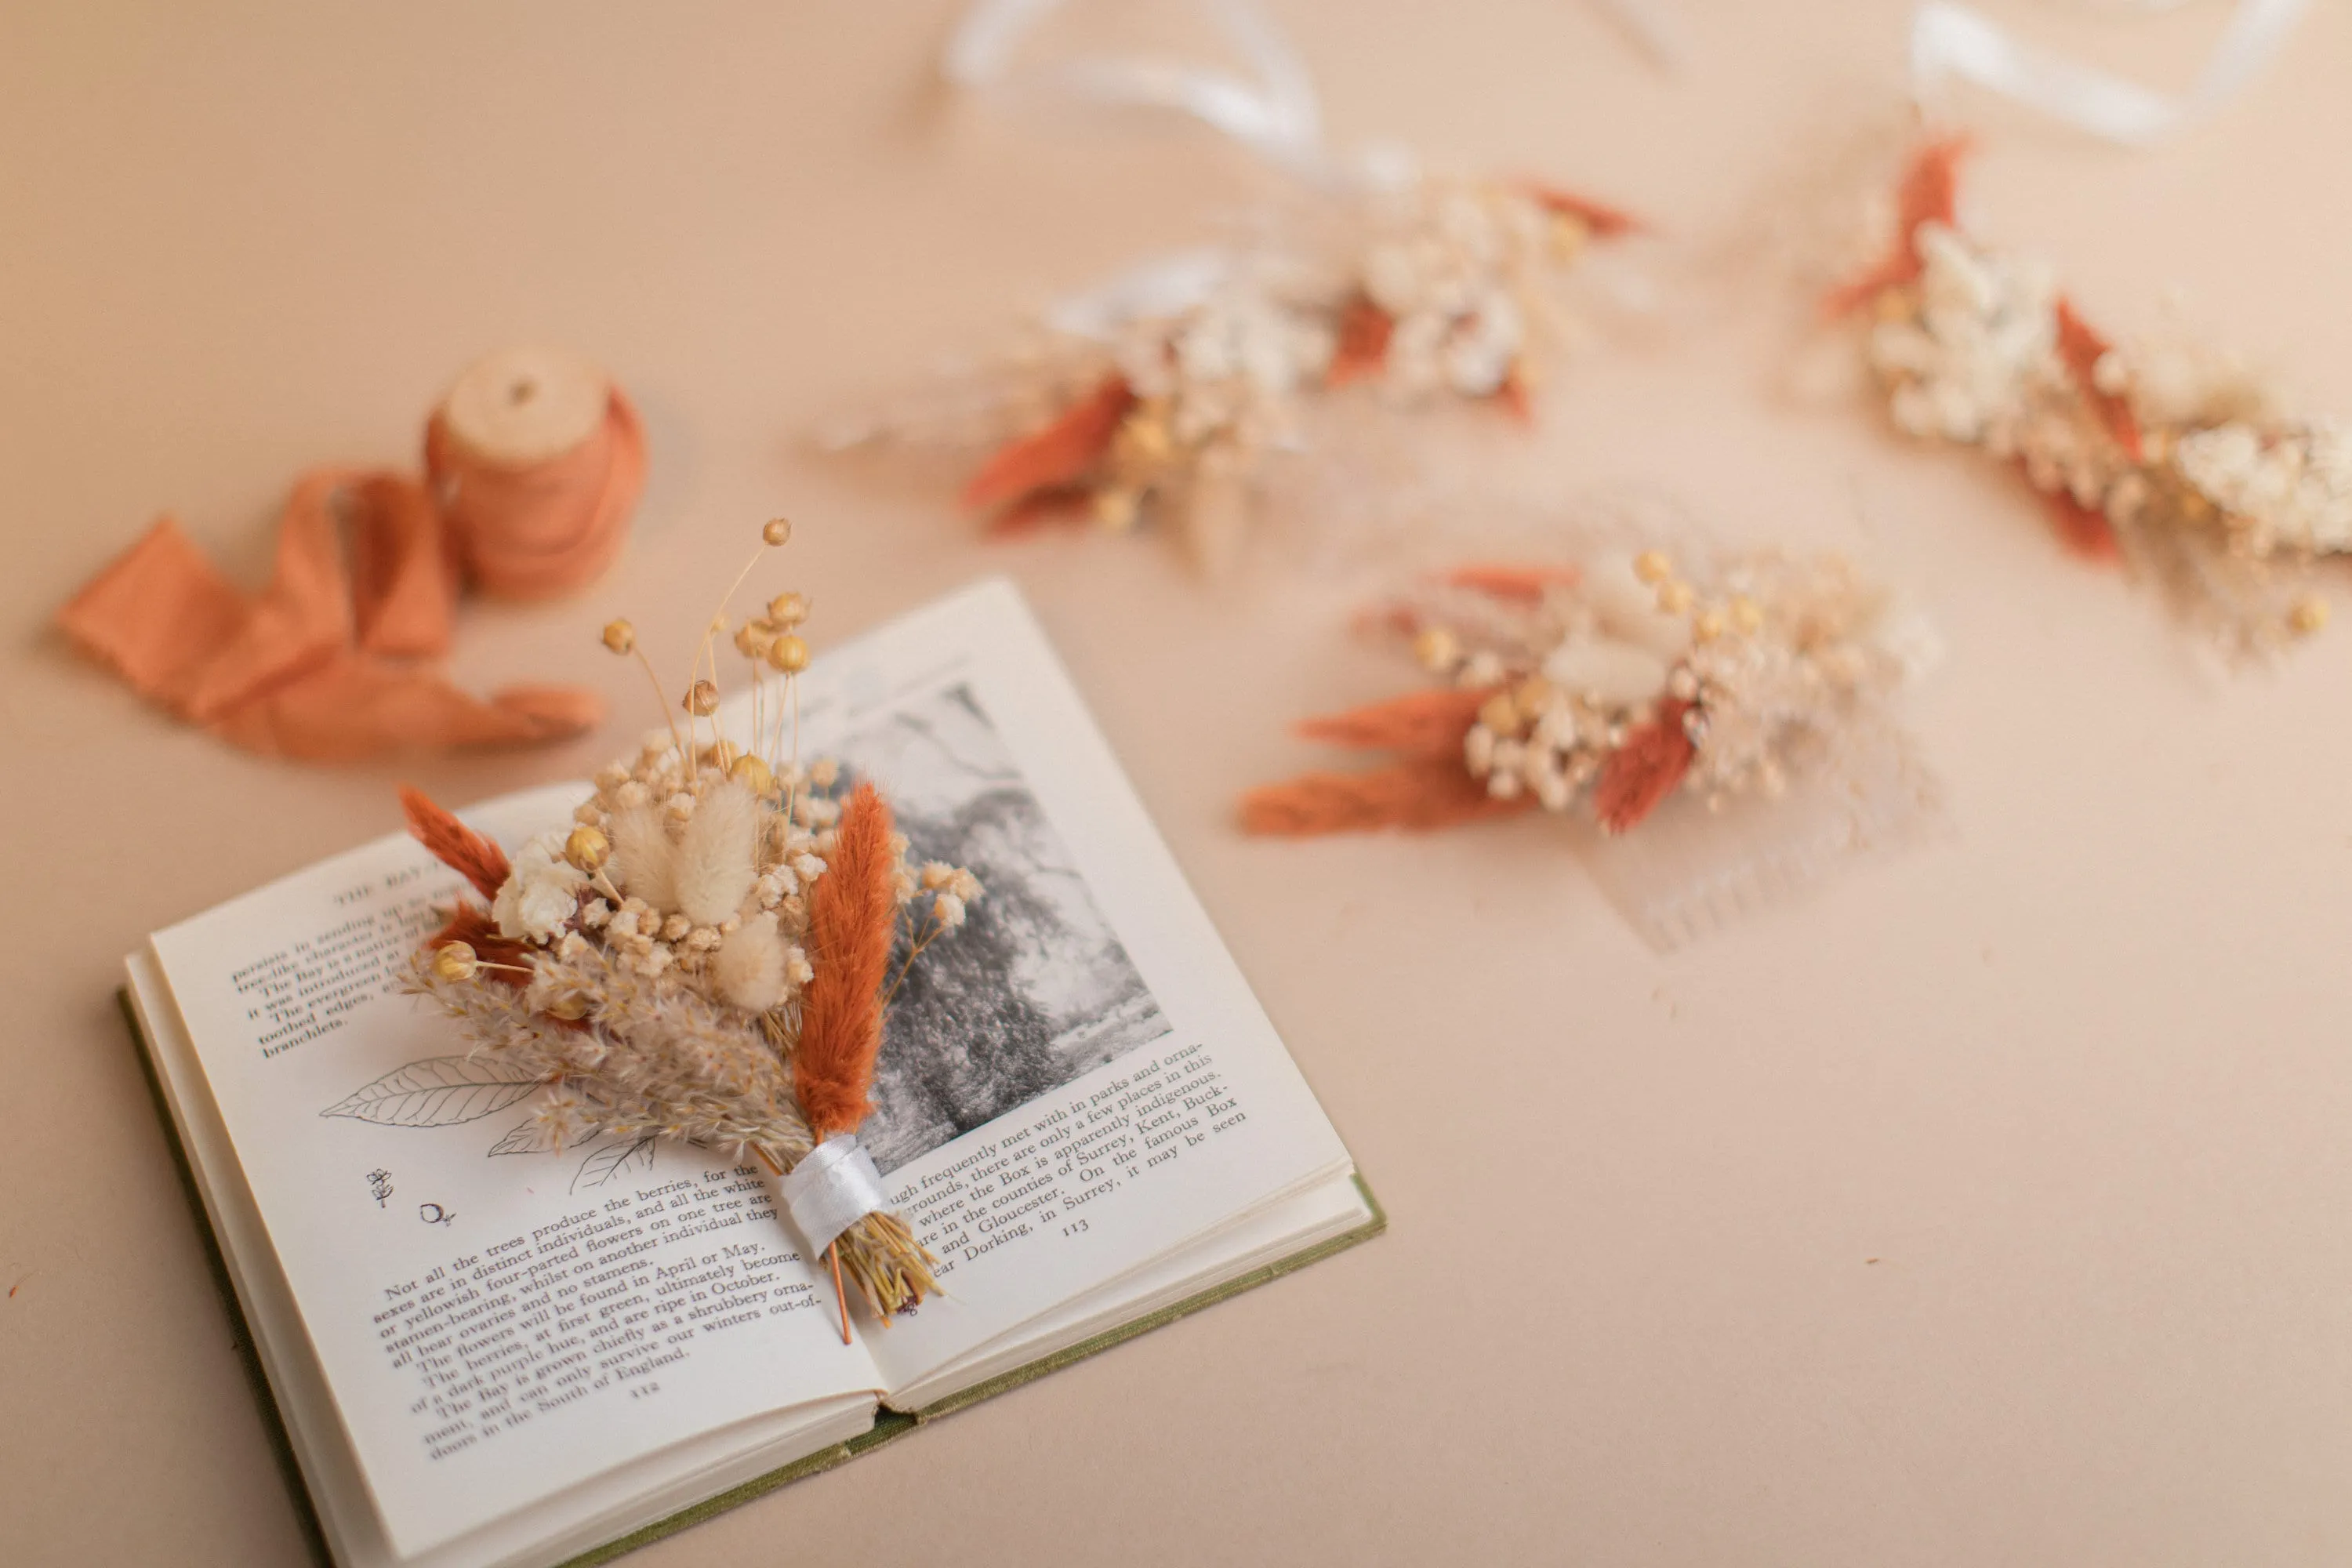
{"points": [[1167, 414], [706, 956], [2165, 455]]}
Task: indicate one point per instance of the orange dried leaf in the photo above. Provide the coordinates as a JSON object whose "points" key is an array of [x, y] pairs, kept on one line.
{"points": [[1929, 192], [1520, 585], [1414, 795], [853, 915], [1362, 352], [1061, 453], [2082, 530], [1040, 509], [2082, 348], [1605, 221], [1641, 773], [1516, 395], [453, 844]]}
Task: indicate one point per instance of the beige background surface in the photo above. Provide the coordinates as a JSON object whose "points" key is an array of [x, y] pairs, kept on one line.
{"points": [[1989, 1208]]}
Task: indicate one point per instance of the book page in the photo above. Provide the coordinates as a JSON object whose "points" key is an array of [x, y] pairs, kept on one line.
{"points": [[495, 1328], [1079, 1080]]}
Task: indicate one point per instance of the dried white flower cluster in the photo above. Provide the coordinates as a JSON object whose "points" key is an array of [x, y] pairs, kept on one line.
{"points": [[1612, 686], [2180, 461], [1463, 275]]}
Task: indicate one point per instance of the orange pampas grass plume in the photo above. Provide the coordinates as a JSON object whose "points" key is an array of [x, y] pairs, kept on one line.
{"points": [[1061, 453], [853, 916], [1416, 795], [453, 844], [1431, 789]]}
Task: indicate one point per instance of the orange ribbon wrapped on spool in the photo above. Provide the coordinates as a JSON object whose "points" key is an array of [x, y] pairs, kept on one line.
{"points": [[534, 463]]}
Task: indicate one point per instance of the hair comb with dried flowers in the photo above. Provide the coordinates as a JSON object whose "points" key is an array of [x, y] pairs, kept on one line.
{"points": [[2170, 458], [1160, 398], [1757, 685], [707, 955]]}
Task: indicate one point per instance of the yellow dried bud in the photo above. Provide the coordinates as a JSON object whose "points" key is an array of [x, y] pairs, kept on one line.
{"points": [[1437, 649], [752, 774], [587, 849], [721, 754], [454, 962], [568, 1008], [788, 609], [788, 654], [1533, 696], [1569, 235], [1747, 614], [751, 639], [2308, 613], [1710, 624], [1674, 596], [1500, 715], [702, 700], [779, 531], [1652, 566], [1118, 507], [620, 636]]}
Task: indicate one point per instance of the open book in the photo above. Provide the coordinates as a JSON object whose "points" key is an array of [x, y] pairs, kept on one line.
{"points": [[488, 1351]]}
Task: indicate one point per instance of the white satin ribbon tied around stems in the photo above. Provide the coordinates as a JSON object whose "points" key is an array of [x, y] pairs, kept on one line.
{"points": [[1950, 39], [835, 1184]]}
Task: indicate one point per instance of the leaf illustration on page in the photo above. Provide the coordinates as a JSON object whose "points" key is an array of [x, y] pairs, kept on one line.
{"points": [[532, 1135], [614, 1160], [437, 1091]]}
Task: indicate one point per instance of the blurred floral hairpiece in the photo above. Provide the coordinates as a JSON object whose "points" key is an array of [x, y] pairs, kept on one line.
{"points": [[1755, 687], [1160, 398], [2162, 455], [706, 956]]}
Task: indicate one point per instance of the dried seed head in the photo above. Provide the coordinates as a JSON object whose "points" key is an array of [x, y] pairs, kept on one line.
{"points": [[1653, 566], [455, 962], [587, 849], [751, 639], [788, 609], [1438, 649], [779, 531], [1674, 596], [788, 654], [2308, 613], [620, 636], [702, 700], [752, 774]]}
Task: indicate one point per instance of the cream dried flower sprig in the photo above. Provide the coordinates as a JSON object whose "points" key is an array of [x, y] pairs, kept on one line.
{"points": [[2175, 461], [704, 955]]}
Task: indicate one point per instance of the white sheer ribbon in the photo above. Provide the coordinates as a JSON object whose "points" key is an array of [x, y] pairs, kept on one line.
{"points": [[1271, 109], [835, 1184], [1950, 39]]}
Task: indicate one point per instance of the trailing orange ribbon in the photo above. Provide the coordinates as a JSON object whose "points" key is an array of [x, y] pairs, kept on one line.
{"points": [[320, 665]]}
